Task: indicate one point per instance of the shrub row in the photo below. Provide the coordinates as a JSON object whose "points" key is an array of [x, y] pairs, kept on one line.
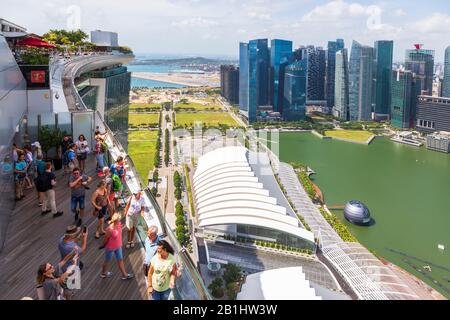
{"points": [[338, 226]]}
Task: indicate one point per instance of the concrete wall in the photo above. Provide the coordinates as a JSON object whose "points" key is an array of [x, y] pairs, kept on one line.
{"points": [[40, 101]]}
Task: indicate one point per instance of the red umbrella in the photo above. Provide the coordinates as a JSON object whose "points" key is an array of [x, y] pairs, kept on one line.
{"points": [[33, 42]]}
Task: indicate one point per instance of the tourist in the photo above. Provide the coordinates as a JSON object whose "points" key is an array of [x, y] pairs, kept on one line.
{"points": [[65, 146], [39, 164], [107, 177], [163, 272], [16, 152], [20, 173], [82, 152], [117, 187], [45, 183], [30, 168], [69, 243], [100, 201], [151, 245], [78, 184], [113, 246], [119, 168], [37, 149], [135, 208], [51, 279], [100, 149]]}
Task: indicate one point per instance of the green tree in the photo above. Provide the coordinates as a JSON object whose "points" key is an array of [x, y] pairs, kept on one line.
{"points": [[232, 273]]}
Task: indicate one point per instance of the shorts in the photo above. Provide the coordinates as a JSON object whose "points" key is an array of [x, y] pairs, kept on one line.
{"points": [[82, 156], [102, 212], [132, 221], [77, 201], [110, 253], [164, 295], [112, 196]]}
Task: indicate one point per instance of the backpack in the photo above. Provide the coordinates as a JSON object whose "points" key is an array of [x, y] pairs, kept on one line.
{"points": [[117, 183], [104, 147]]}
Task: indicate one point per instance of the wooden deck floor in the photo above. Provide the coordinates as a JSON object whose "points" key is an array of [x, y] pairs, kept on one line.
{"points": [[32, 240]]}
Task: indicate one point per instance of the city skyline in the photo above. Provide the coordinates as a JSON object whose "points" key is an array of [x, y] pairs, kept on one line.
{"points": [[216, 27]]}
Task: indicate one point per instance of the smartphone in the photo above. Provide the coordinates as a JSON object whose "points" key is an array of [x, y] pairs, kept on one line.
{"points": [[84, 229]]}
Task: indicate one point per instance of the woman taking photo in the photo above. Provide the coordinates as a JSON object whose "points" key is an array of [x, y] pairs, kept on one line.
{"points": [[100, 201], [113, 247], [82, 152], [162, 273]]}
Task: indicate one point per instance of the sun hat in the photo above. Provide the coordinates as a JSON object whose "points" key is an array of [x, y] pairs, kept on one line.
{"points": [[72, 231]]}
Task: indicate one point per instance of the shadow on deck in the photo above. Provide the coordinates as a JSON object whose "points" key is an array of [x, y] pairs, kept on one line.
{"points": [[32, 240]]}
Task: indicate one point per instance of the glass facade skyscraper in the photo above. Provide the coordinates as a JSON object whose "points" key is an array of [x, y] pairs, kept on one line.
{"points": [[421, 62], [383, 52], [446, 83], [243, 78], [295, 91], [405, 90], [333, 48], [360, 82], [280, 56], [316, 72], [229, 83], [341, 88]]}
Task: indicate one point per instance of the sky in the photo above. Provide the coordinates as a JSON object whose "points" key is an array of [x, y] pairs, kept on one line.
{"points": [[215, 27]]}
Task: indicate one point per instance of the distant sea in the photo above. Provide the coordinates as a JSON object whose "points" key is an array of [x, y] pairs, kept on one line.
{"points": [[138, 82]]}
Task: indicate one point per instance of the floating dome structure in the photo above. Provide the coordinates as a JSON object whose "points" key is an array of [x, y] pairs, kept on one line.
{"points": [[357, 213]]}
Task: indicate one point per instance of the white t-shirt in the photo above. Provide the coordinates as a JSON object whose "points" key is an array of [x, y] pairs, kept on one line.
{"points": [[82, 146], [136, 206]]}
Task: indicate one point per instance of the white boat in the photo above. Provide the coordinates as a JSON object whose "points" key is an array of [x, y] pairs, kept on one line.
{"points": [[441, 247]]}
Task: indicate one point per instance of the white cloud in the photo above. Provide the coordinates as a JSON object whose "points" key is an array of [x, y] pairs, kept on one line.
{"points": [[195, 22], [339, 9], [436, 23], [399, 13], [260, 16]]}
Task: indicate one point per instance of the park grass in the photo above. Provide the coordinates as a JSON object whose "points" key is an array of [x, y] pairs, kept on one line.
{"points": [[143, 135], [143, 119], [356, 135], [197, 106], [153, 106], [209, 119], [142, 153]]}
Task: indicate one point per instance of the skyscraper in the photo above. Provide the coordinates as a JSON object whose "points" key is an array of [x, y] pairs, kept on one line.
{"points": [[406, 88], [243, 78], [421, 62], [333, 48], [360, 82], [258, 81], [316, 71], [383, 52], [280, 56], [229, 83], [341, 88], [295, 91], [446, 83]]}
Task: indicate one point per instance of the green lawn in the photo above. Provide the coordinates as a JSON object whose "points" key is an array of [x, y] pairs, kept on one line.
{"points": [[207, 119], [153, 106], [197, 106], [357, 135], [143, 119], [145, 135], [142, 154]]}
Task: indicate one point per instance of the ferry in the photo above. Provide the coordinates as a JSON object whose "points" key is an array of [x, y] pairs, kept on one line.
{"points": [[406, 138]]}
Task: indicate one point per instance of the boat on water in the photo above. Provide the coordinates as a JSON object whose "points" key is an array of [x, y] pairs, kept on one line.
{"points": [[406, 137]]}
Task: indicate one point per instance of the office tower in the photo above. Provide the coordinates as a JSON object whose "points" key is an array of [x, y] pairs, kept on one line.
{"points": [[406, 88], [280, 56], [316, 71], [229, 83], [383, 52], [333, 48], [243, 78], [360, 82], [104, 38], [258, 93], [421, 62], [341, 88], [433, 114], [295, 91], [446, 82]]}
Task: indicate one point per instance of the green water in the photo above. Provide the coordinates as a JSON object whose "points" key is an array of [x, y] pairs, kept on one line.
{"points": [[407, 190]]}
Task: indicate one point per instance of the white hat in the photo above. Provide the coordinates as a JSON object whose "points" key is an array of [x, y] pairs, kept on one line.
{"points": [[36, 144]]}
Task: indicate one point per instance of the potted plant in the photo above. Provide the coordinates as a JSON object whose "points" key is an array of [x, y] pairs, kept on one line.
{"points": [[51, 138]]}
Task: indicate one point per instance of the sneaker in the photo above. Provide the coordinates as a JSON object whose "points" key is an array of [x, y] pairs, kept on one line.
{"points": [[106, 275], [128, 246], [43, 213], [58, 214], [40, 204], [128, 276]]}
